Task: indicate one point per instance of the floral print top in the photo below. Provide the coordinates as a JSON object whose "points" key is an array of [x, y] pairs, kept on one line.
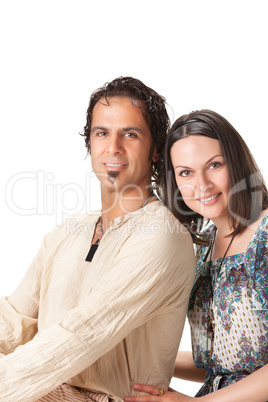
{"points": [[238, 297]]}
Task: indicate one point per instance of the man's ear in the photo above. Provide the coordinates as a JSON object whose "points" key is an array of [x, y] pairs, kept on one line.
{"points": [[155, 157]]}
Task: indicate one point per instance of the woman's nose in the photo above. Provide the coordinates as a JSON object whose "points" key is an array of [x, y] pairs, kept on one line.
{"points": [[203, 183]]}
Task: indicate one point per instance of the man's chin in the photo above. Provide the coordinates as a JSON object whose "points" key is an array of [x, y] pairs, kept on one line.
{"points": [[112, 175]]}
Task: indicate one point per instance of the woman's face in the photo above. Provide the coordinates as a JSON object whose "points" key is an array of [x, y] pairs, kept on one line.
{"points": [[201, 175]]}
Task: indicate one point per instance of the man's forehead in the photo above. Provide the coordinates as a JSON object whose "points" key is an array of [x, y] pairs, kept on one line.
{"points": [[119, 111], [107, 101]]}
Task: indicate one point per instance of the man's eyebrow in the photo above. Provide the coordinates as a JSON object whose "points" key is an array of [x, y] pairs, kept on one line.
{"points": [[124, 129], [95, 128], [133, 128]]}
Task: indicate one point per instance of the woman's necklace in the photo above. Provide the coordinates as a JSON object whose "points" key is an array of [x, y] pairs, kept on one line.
{"points": [[211, 323], [94, 246]]}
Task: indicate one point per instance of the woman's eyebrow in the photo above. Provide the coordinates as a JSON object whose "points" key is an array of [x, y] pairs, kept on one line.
{"points": [[182, 166], [213, 157], [187, 167]]}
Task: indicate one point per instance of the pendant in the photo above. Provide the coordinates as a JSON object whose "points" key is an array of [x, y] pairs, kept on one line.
{"points": [[92, 251], [211, 331]]}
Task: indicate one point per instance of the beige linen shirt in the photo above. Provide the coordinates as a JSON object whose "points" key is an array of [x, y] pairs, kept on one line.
{"points": [[100, 325]]}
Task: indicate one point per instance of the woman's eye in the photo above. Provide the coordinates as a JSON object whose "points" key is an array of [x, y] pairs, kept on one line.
{"points": [[185, 173], [215, 165]]}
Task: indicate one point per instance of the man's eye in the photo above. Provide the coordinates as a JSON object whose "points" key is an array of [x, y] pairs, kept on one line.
{"points": [[131, 135], [101, 134]]}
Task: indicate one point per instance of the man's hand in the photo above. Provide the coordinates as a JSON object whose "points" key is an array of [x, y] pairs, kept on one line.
{"points": [[155, 395]]}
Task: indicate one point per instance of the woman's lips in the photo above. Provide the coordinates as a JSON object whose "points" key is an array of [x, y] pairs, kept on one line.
{"points": [[209, 200]]}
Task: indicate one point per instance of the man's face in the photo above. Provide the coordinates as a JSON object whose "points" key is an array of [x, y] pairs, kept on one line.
{"points": [[120, 143]]}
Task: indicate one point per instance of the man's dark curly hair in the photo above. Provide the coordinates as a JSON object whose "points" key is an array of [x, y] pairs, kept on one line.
{"points": [[153, 108]]}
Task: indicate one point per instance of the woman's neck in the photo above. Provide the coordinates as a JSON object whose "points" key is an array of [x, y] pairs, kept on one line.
{"points": [[223, 226]]}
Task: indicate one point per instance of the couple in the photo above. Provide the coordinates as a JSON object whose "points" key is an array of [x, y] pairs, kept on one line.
{"points": [[103, 304]]}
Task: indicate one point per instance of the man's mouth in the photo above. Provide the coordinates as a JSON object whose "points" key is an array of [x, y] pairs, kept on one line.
{"points": [[114, 165], [113, 170]]}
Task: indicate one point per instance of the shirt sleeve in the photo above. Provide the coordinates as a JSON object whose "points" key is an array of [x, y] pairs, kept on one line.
{"points": [[19, 312], [159, 278]]}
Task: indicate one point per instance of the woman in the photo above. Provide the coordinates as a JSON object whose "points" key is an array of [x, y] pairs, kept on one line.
{"points": [[210, 173]]}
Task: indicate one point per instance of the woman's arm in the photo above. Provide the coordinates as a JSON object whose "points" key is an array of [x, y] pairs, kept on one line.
{"points": [[185, 369], [254, 387]]}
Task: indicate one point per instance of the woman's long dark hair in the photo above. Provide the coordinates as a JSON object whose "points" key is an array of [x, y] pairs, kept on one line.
{"points": [[248, 193]]}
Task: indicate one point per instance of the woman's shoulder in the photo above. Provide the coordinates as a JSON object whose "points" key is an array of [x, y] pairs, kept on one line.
{"points": [[259, 241], [264, 219], [262, 231], [261, 224]]}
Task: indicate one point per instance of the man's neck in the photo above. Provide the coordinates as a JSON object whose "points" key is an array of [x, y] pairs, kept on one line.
{"points": [[115, 204]]}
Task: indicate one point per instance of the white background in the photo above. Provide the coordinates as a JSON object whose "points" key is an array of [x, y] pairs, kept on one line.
{"points": [[198, 54]]}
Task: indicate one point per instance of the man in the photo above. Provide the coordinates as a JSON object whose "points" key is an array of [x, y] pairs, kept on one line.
{"points": [[108, 293]]}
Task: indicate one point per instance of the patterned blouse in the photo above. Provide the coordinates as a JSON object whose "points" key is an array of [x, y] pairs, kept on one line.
{"points": [[240, 312]]}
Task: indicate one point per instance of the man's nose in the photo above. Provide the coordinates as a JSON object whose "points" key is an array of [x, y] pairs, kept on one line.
{"points": [[114, 145]]}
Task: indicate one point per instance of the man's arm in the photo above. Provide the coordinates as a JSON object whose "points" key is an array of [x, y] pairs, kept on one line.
{"points": [[19, 312], [124, 299]]}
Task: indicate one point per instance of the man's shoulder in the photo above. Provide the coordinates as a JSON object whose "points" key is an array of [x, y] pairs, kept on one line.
{"points": [[160, 212], [73, 225], [81, 220], [157, 219]]}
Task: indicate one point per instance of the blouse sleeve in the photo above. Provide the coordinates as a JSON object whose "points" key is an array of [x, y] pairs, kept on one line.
{"points": [[260, 274]]}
